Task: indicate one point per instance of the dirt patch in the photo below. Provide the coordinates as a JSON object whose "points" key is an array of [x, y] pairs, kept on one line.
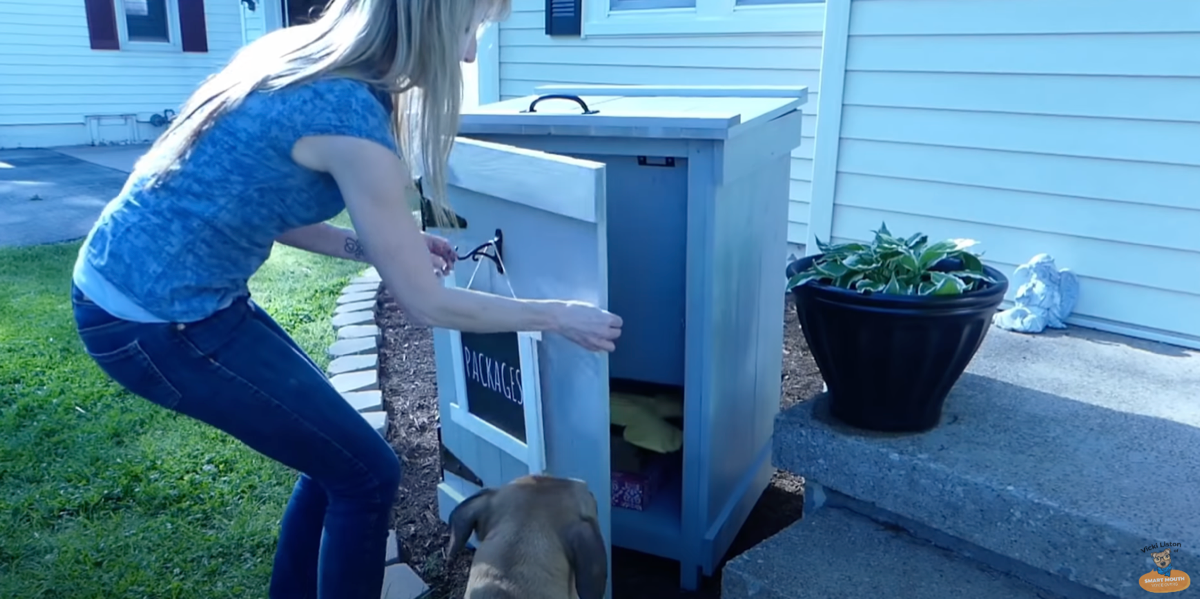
{"points": [[409, 386]]}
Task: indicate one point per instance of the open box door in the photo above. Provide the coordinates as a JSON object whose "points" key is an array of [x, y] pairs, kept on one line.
{"points": [[548, 211]]}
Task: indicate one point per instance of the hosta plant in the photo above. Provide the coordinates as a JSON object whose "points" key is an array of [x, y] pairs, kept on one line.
{"points": [[897, 266]]}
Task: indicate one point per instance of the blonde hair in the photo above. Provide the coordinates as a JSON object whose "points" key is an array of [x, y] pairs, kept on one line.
{"points": [[408, 48]]}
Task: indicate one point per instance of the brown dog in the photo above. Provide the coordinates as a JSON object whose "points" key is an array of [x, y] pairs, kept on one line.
{"points": [[538, 539]]}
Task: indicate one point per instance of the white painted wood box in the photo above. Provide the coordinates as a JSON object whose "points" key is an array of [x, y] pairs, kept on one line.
{"points": [[668, 206]]}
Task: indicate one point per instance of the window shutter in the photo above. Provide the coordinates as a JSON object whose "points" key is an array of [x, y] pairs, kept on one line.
{"points": [[564, 17], [193, 31], [102, 24]]}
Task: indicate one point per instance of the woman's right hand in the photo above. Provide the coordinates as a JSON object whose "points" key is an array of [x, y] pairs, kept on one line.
{"points": [[588, 326]]}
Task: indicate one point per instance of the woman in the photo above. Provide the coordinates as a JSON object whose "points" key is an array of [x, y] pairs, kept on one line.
{"points": [[301, 124]]}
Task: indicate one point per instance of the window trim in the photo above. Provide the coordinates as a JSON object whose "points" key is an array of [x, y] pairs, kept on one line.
{"points": [[174, 31], [709, 17]]}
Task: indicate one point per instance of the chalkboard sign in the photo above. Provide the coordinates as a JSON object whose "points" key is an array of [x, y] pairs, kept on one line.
{"points": [[497, 391], [492, 369]]}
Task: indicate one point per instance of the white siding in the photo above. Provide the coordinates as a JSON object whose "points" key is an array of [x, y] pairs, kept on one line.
{"points": [[980, 119], [529, 58], [254, 22], [51, 80]]}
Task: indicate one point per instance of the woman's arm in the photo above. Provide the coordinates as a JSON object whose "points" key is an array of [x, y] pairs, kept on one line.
{"points": [[327, 240], [369, 177]]}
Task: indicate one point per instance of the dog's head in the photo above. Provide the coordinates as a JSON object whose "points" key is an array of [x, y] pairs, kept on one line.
{"points": [[564, 506]]}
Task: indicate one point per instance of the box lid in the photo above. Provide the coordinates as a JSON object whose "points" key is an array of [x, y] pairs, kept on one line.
{"points": [[642, 111]]}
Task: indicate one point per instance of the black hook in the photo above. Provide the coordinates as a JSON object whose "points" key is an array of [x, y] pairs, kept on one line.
{"points": [[496, 243], [497, 246]]}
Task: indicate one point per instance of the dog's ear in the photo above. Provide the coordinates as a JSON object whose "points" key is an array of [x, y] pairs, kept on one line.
{"points": [[464, 518], [588, 559]]}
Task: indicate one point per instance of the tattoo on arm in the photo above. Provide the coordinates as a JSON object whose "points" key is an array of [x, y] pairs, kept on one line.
{"points": [[355, 249]]}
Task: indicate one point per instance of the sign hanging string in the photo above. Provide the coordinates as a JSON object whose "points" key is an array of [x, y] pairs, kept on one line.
{"points": [[480, 252]]}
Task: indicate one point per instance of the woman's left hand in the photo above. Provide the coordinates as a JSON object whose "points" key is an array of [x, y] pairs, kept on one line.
{"points": [[442, 252]]}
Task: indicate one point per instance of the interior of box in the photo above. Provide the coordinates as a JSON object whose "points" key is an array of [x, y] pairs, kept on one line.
{"points": [[646, 459], [646, 220], [646, 446]]}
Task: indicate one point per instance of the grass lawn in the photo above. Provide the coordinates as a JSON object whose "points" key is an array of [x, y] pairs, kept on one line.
{"points": [[105, 495]]}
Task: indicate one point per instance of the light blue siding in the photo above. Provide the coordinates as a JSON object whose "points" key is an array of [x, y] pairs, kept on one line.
{"points": [[254, 22], [529, 58], [56, 91], [1054, 126]]}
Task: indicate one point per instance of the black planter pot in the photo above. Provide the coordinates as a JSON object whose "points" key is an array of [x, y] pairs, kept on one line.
{"points": [[890, 360]]}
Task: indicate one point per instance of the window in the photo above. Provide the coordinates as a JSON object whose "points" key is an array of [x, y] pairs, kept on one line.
{"points": [[147, 21], [147, 25], [701, 17], [300, 12]]}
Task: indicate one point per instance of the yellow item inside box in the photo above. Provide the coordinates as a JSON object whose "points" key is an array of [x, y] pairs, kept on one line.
{"points": [[644, 419]]}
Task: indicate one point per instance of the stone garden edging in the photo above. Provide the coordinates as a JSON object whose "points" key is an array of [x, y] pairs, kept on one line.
{"points": [[354, 372]]}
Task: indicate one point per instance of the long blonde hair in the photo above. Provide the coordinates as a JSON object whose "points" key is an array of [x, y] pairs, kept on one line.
{"points": [[409, 48]]}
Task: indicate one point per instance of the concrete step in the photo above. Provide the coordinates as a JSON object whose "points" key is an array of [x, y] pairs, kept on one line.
{"points": [[1071, 453], [835, 553]]}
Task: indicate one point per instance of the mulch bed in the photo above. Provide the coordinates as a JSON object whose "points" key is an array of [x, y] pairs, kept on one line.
{"points": [[408, 380]]}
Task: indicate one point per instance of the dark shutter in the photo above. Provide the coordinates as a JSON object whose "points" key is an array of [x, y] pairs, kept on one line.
{"points": [[102, 24], [564, 17], [193, 31]]}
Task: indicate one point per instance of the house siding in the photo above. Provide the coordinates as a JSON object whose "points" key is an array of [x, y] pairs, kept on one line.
{"points": [[51, 81], [254, 22], [529, 58], [979, 119]]}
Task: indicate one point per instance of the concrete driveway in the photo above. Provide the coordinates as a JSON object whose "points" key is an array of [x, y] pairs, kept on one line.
{"points": [[49, 196]]}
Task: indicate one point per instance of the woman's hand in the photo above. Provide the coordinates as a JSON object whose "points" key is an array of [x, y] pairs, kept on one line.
{"points": [[441, 252], [588, 326]]}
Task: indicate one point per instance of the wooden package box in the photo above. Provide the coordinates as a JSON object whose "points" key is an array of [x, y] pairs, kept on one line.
{"points": [[668, 206]]}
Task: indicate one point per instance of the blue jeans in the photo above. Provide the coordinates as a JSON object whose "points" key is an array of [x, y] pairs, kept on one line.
{"points": [[241, 373]]}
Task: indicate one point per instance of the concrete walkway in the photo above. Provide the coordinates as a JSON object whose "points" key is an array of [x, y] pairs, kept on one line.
{"points": [[1059, 458], [119, 158], [50, 196]]}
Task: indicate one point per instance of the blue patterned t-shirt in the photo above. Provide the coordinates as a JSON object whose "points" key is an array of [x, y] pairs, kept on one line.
{"points": [[186, 248]]}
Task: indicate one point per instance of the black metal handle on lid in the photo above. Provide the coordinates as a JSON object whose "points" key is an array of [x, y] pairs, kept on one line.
{"points": [[573, 98]]}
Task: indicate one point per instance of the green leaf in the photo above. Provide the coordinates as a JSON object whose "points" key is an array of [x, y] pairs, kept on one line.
{"points": [[884, 238], [935, 253], [840, 251], [832, 270], [946, 284], [809, 274], [974, 280], [867, 285], [908, 261], [861, 261], [893, 287], [802, 277], [961, 244], [848, 280], [971, 262], [916, 240], [824, 247]]}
